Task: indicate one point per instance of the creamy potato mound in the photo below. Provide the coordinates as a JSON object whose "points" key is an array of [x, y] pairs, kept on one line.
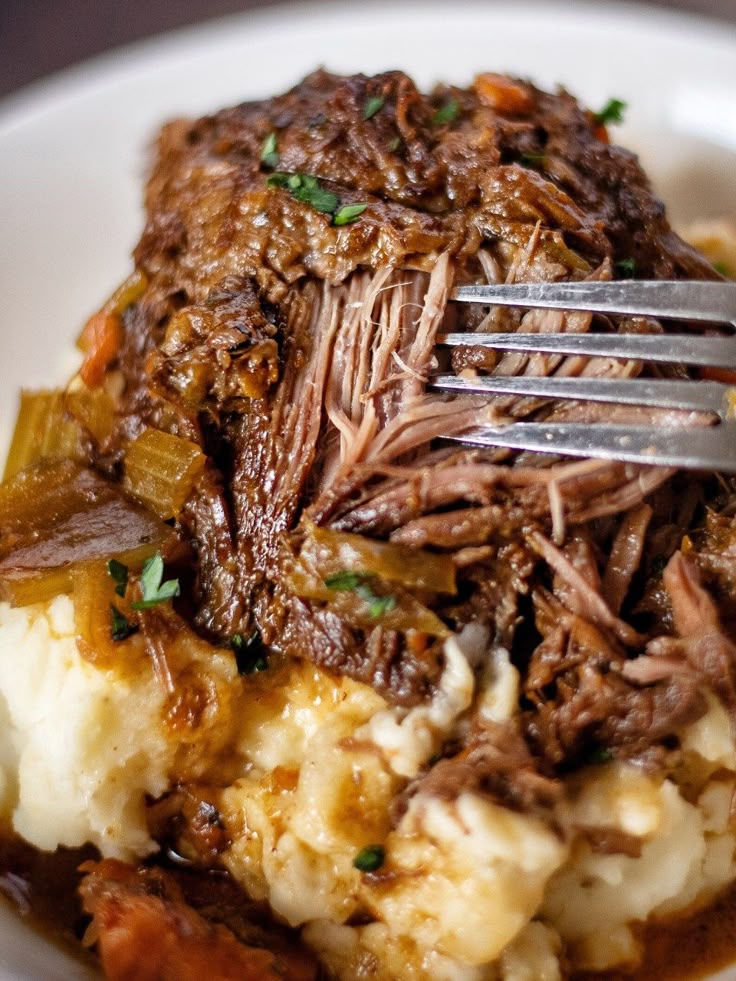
{"points": [[477, 891]]}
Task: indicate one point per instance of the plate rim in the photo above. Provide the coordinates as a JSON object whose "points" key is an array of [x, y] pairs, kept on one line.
{"points": [[115, 64]]}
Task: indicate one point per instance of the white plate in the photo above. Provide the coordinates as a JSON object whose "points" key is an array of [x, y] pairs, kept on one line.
{"points": [[72, 154]]}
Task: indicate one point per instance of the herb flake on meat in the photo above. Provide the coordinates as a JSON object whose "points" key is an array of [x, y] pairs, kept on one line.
{"points": [[119, 572], [372, 106], [153, 589], [120, 626], [360, 584], [447, 113], [626, 268], [349, 213], [270, 152], [612, 112], [305, 188], [249, 653]]}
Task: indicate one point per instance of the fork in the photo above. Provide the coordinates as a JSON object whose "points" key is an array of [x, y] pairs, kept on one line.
{"points": [[705, 447]]}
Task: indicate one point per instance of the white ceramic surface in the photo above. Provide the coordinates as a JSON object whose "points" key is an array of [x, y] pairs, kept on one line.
{"points": [[73, 156]]}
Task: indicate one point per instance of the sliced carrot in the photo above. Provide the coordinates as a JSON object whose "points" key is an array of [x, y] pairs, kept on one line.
{"points": [[503, 94], [726, 375], [100, 340]]}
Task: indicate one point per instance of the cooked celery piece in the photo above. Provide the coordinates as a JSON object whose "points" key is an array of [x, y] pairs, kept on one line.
{"points": [[43, 431], [55, 517], [94, 409], [161, 470]]}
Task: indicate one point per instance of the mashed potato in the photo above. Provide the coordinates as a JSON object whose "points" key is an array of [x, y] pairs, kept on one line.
{"points": [[469, 890], [80, 749]]}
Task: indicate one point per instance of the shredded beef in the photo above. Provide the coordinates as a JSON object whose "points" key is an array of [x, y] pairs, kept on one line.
{"points": [[296, 351]]}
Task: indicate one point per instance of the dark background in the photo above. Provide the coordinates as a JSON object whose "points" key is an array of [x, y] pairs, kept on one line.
{"points": [[41, 36]]}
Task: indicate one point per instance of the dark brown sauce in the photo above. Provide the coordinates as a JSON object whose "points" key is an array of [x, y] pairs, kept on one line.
{"points": [[684, 948], [42, 886]]}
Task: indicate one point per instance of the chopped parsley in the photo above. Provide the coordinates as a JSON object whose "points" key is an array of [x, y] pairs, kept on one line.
{"points": [[349, 213], [626, 268], [370, 858], [360, 584], [270, 152], [306, 188], [372, 106], [250, 654], [153, 589], [120, 626], [600, 755], [395, 144], [722, 268], [532, 159], [612, 112], [119, 572], [447, 113], [345, 580]]}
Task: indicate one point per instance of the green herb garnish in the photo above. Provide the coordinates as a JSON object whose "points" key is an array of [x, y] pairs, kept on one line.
{"points": [[722, 268], [612, 112], [250, 655], [119, 573], [348, 213], [372, 106], [532, 159], [153, 590], [308, 189], [447, 113], [270, 152], [360, 584], [370, 858], [626, 267], [600, 755], [120, 626], [395, 144], [345, 580]]}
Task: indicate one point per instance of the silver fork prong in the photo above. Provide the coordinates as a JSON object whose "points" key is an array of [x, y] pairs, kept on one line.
{"points": [[671, 348], [713, 302], [701, 396], [699, 448]]}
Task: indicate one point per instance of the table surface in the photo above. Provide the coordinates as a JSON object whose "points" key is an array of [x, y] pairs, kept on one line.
{"points": [[38, 37]]}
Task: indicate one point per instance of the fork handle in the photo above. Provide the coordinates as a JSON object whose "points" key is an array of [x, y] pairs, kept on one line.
{"points": [[710, 302]]}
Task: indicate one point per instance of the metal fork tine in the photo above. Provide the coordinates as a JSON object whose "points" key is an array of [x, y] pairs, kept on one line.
{"points": [[671, 348], [701, 448], [669, 394], [676, 299]]}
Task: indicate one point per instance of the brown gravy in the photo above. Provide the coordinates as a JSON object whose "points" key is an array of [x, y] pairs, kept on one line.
{"points": [[43, 888], [684, 948]]}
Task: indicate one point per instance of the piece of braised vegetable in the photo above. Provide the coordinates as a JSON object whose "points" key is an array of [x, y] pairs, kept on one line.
{"points": [[161, 470], [368, 582], [331, 552], [93, 409], [56, 517], [102, 335], [44, 430]]}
